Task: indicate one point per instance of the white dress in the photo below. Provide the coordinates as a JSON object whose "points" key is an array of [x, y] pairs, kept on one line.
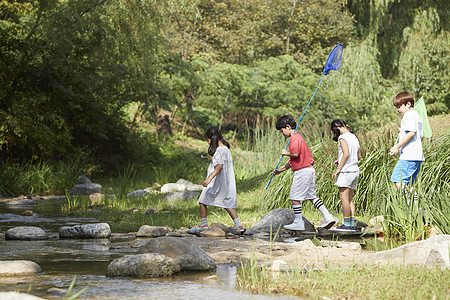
{"points": [[221, 191]]}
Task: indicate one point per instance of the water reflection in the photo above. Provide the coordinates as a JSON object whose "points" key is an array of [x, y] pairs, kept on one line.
{"points": [[88, 259], [183, 286]]}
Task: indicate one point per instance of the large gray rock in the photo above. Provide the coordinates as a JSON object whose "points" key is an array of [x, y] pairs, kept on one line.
{"points": [[86, 231], [18, 296], [83, 179], [432, 252], [180, 196], [274, 220], [189, 186], [143, 265], [151, 231], [28, 233], [20, 203], [181, 185], [138, 194], [190, 257], [85, 187], [56, 292], [18, 268], [213, 232], [171, 187]]}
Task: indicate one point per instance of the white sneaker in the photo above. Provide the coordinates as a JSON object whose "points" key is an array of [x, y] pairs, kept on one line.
{"points": [[328, 223], [297, 225]]}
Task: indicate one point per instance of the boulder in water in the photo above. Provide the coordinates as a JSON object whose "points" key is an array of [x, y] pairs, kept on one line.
{"points": [[190, 256], [143, 265], [86, 231], [27, 233], [18, 268]]}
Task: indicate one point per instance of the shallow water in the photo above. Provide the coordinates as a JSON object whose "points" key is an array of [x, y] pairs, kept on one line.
{"points": [[87, 261]]}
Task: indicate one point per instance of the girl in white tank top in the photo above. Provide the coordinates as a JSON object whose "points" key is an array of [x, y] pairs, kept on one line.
{"points": [[347, 171]]}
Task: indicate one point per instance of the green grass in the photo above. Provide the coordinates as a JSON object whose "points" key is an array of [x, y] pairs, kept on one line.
{"points": [[127, 214], [375, 195], [39, 178], [370, 282]]}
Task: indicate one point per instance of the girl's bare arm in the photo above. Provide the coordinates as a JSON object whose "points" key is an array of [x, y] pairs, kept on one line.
{"points": [[214, 173], [345, 156]]}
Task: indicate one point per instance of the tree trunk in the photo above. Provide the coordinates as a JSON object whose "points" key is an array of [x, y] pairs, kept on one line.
{"points": [[289, 28], [221, 120], [248, 133]]}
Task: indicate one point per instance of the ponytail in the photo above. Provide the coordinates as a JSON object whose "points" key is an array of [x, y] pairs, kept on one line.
{"points": [[213, 133], [335, 124]]}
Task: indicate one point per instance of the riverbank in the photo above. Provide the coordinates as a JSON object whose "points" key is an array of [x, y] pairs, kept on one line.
{"points": [[295, 254]]}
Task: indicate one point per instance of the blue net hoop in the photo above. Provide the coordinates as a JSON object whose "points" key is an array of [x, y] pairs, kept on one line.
{"points": [[334, 59]]}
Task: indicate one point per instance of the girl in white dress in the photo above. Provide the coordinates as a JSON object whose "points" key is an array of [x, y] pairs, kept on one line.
{"points": [[347, 172], [220, 185]]}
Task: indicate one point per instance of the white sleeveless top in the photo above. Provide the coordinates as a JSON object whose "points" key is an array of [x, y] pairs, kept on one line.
{"points": [[353, 146]]}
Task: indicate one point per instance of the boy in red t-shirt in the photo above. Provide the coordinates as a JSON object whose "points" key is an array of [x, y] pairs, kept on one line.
{"points": [[304, 183]]}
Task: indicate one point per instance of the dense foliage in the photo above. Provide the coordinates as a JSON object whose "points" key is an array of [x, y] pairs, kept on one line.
{"points": [[87, 81]]}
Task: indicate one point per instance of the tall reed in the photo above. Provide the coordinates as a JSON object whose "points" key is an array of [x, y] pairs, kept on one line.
{"points": [[267, 144], [375, 194], [37, 178], [123, 183]]}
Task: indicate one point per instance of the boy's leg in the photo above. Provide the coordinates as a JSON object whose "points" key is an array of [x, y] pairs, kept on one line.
{"points": [[416, 167], [298, 223], [397, 174], [299, 190], [405, 172], [328, 218], [311, 195]]}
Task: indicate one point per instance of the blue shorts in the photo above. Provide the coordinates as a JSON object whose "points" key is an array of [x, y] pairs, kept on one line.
{"points": [[406, 171]]}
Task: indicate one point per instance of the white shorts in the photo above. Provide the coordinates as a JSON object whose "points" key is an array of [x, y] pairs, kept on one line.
{"points": [[304, 184], [347, 179]]}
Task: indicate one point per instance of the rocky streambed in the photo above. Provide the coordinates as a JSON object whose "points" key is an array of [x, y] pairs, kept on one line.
{"points": [[159, 262]]}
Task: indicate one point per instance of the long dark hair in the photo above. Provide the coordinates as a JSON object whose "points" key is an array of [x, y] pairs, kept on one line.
{"points": [[335, 124], [213, 133]]}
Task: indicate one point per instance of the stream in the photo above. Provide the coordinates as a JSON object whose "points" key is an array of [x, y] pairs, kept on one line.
{"points": [[86, 261]]}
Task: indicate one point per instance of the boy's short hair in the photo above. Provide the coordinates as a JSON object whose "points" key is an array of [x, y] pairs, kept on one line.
{"points": [[285, 120], [403, 98]]}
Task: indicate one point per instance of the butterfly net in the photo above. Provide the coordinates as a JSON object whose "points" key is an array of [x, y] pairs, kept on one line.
{"points": [[334, 59]]}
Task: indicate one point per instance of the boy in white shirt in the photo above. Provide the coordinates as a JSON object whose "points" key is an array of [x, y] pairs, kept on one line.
{"points": [[410, 142]]}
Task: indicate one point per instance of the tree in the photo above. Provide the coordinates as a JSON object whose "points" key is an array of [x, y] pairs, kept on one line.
{"points": [[69, 70], [425, 60], [243, 32]]}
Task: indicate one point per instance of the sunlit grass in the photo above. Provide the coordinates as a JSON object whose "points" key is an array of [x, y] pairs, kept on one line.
{"points": [[368, 282], [375, 195]]}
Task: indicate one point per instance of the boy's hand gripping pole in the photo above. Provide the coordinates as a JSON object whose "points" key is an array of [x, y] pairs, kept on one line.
{"points": [[301, 118]]}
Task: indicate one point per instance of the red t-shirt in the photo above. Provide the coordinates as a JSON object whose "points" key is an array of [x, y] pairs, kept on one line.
{"points": [[298, 145]]}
